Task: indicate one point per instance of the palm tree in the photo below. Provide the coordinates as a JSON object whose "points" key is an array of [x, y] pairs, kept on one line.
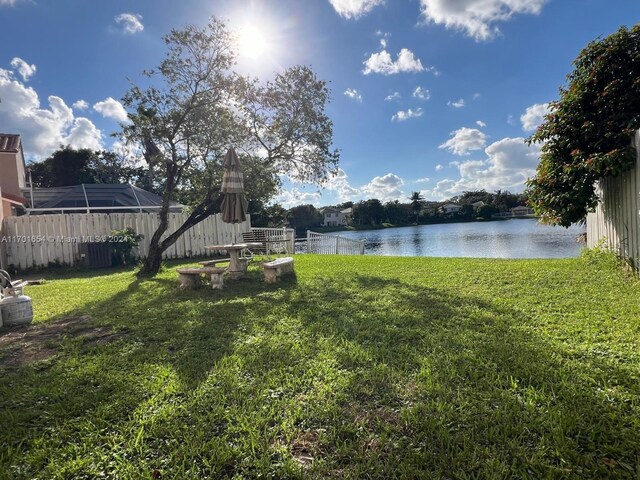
{"points": [[416, 203]]}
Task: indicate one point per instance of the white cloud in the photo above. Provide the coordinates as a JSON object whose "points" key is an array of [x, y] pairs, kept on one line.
{"points": [[80, 105], [8, 3], [509, 163], [111, 108], [43, 130], [421, 93], [403, 115], [294, 196], [477, 17], [354, 8], [129, 23], [480, 123], [339, 183], [385, 188], [534, 116], [423, 180], [24, 69], [381, 62], [439, 167], [457, 103], [393, 96], [476, 96], [84, 134], [465, 140], [338, 189], [353, 94]]}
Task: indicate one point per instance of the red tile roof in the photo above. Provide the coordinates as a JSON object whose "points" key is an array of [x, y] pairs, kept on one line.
{"points": [[15, 198], [9, 142]]}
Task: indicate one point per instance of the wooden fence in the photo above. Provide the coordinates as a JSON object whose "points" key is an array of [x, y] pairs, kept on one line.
{"points": [[616, 221], [333, 244], [35, 241]]}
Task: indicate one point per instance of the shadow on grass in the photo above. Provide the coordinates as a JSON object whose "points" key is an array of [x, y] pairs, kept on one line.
{"points": [[374, 377], [442, 383]]}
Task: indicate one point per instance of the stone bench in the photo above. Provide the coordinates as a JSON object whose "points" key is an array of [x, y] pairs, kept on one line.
{"points": [[213, 263], [191, 277], [275, 269]]}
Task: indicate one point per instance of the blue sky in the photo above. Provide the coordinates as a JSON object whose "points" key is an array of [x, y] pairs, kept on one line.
{"points": [[433, 96]]}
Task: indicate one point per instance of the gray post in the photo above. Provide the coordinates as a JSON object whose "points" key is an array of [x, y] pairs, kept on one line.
{"points": [[308, 241]]}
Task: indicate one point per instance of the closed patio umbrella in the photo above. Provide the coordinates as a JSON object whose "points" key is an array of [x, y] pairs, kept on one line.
{"points": [[234, 203]]}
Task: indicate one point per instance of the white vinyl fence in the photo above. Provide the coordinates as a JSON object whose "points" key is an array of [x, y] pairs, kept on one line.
{"points": [[333, 244], [35, 241], [280, 239], [616, 221]]}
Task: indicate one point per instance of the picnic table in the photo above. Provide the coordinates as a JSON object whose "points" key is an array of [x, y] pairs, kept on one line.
{"points": [[237, 265]]}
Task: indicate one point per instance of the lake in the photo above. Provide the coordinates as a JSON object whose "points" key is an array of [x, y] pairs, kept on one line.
{"points": [[514, 238]]}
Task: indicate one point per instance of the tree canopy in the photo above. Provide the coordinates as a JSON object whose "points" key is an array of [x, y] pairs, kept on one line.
{"points": [[197, 107], [68, 166], [587, 134]]}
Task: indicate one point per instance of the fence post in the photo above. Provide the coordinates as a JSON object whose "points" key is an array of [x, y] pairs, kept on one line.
{"points": [[361, 247], [308, 240], [337, 238]]}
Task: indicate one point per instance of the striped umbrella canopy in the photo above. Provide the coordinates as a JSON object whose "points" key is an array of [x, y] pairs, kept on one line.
{"points": [[234, 203]]}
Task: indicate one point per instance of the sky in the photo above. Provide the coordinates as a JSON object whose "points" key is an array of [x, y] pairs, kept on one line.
{"points": [[434, 96]]}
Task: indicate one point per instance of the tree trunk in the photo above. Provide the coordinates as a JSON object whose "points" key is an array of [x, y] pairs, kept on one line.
{"points": [[153, 262]]}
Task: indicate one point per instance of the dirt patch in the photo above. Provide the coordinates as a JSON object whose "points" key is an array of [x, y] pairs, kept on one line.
{"points": [[306, 447], [23, 345]]}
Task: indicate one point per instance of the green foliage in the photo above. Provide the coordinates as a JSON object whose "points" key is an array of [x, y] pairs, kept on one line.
{"points": [[485, 211], [69, 166], [197, 107], [272, 216], [466, 212], [588, 133], [122, 245], [287, 119], [417, 202], [304, 217], [364, 367], [368, 212]]}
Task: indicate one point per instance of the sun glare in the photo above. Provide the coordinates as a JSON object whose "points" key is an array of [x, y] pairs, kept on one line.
{"points": [[252, 42]]}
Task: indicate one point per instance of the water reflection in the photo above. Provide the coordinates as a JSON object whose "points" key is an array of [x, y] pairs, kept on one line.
{"points": [[517, 238]]}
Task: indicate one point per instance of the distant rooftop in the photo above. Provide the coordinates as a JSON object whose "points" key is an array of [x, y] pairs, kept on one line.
{"points": [[9, 142]]}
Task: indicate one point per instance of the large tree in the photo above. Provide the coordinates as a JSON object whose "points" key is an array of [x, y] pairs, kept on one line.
{"points": [[587, 134], [196, 107]]}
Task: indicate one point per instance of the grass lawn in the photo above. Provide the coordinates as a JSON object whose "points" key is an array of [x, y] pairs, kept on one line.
{"points": [[361, 367]]}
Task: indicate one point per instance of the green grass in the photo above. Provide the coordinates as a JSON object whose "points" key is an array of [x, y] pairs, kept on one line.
{"points": [[361, 367]]}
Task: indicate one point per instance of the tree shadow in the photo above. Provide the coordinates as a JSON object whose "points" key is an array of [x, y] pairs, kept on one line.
{"points": [[425, 382], [441, 382]]}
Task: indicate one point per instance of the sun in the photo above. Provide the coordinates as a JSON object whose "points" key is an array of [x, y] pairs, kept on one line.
{"points": [[251, 42]]}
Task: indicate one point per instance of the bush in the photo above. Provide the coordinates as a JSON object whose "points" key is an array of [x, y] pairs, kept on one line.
{"points": [[124, 241]]}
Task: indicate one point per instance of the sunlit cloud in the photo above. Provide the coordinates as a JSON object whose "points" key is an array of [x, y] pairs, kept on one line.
{"points": [[465, 140], [402, 115], [534, 116], [477, 18], [129, 23]]}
